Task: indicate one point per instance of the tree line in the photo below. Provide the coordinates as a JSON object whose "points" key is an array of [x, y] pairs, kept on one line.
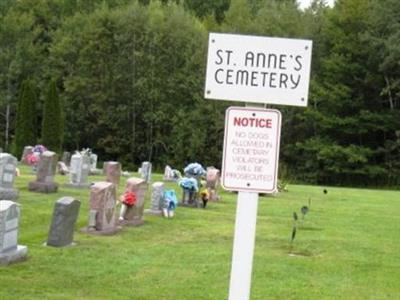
{"points": [[130, 75]]}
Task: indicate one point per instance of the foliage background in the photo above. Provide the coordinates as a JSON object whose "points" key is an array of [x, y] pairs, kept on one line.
{"points": [[130, 75]]}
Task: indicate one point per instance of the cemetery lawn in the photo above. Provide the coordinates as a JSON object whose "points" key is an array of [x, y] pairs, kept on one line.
{"points": [[348, 247]]}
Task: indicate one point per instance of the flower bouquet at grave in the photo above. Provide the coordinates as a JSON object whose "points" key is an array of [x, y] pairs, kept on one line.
{"points": [[194, 170], [39, 149]]}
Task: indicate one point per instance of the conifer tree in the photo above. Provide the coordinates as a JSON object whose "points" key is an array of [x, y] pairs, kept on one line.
{"points": [[25, 127], [52, 122]]}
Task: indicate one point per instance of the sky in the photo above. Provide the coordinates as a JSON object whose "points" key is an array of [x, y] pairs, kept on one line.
{"points": [[306, 3]]}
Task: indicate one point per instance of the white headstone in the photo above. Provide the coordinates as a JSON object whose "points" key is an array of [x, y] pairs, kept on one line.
{"points": [[9, 219]]}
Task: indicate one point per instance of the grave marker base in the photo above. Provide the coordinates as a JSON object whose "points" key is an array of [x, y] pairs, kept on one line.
{"points": [[8, 194], [153, 212], [43, 187], [132, 223], [13, 255], [77, 185], [94, 231]]}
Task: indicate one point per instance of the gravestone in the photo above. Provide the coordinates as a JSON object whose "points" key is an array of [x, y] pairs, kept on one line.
{"points": [[27, 151], [62, 168], [113, 172], [66, 158], [93, 161], [157, 199], [8, 164], [213, 179], [190, 188], [168, 174], [10, 251], [65, 214], [145, 171], [79, 171], [102, 219], [134, 214], [45, 174]]}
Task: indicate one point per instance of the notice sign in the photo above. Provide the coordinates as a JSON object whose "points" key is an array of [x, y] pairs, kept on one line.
{"points": [[251, 149], [258, 69]]}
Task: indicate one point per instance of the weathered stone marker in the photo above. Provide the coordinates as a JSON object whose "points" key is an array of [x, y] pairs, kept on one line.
{"points": [[8, 164], [168, 174], [134, 214], [113, 172], [45, 174], [79, 171], [213, 179], [65, 214], [145, 171], [66, 158], [157, 199], [10, 251], [102, 212], [27, 150], [93, 161]]}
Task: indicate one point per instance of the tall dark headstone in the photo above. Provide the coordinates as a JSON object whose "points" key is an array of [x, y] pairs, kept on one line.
{"points": [[65, 214]]}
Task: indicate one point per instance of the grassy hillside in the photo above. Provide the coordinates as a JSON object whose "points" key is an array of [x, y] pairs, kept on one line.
{"points": [[346, 248]]}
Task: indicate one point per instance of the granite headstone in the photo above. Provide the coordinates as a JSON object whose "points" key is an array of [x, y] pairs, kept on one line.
{"points": [[157, 200], [79, 170], [65, 214], [102, 214], [134, 214], [8, 164], [27, 151], [10, 251], [145, 171], [213, 179], [113, 172], [45, 174]]}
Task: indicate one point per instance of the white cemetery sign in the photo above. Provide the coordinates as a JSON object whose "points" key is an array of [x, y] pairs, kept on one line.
{"points": [[258, 69], [251, 149]]}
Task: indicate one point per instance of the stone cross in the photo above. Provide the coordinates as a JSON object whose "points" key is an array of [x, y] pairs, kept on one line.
{"points": [[8, 164], [103, 207], [145, 171], [65, 214], [79, 170], [113, 172], [45, 174], [157, 199], [9, 218], [134, 214]]}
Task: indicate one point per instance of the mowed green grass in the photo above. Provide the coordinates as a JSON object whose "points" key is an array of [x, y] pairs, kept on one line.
{"points": [[348, 247]]}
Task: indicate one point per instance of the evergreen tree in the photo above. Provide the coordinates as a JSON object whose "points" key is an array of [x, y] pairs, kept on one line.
{"points": [[52, 124], [25, 127]]}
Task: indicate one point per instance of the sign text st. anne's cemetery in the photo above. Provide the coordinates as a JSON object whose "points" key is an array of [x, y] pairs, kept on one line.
{"points": [[258, 69]]}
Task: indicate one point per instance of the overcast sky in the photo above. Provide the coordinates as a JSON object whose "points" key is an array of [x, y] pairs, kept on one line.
{"points": [[306, 3]]}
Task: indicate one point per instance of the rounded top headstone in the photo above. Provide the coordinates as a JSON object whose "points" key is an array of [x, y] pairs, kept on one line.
{"points": [[158, 184], [6, 204], [48, 153]]}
